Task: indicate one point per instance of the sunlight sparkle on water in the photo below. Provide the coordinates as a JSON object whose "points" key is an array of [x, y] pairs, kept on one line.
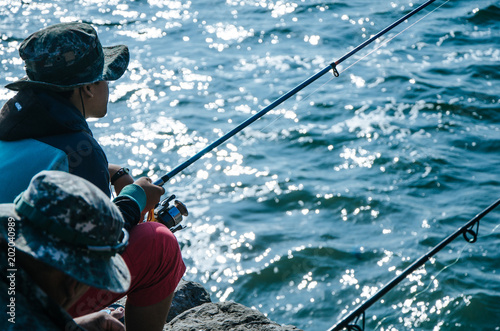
{"points": [[117, 140], [358, 81], [144, 34], [220, 261], [348, 278], [228, 291], [281, 8], [229, 32], [237, 170], [358, 157], [313, 40], [307, 282], [386, 258], [220, 256], [368, 291], [202, 174]]}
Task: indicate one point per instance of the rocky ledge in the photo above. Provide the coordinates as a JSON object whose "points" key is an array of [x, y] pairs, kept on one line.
{"points": [[192, 309], [224, 316]]}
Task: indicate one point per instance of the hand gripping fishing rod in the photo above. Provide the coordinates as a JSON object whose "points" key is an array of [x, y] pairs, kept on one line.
{"points": [[250, 120], [470, 235]]}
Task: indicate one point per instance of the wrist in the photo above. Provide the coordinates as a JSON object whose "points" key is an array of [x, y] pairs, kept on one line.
{"points": [[136, 193], [120, 173]]}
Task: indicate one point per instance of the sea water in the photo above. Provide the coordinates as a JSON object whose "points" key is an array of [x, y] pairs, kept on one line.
{"points": [[312, 209]]}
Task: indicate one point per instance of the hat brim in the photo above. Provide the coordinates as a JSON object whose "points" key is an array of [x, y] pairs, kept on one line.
{"points": [[108, 273], [116, 59]]}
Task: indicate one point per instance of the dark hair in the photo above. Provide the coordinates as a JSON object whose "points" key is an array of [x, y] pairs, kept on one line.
{"points": [[65, 94]]}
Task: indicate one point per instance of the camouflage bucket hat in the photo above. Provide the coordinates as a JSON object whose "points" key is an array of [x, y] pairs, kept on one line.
{"points": [[71, 225], [68, 55]]}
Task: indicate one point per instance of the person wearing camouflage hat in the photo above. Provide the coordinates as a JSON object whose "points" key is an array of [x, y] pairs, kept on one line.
{"points": [[43, 127], [60, 236], [67, 74]]}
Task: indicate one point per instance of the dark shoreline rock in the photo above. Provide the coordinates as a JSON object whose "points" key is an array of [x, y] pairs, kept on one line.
{"points": [[186, 296], [224, 316], [193, 310]]}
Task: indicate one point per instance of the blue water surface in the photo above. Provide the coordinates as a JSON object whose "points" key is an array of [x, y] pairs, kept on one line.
{"points": [[313, 208]]}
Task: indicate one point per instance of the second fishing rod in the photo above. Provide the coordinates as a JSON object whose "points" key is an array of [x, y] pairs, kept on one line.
{"points": [[331, 67]]}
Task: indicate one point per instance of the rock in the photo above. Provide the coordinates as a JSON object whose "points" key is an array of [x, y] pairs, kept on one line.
{"points": [[224, 316], [193, 310], [187, 295]]}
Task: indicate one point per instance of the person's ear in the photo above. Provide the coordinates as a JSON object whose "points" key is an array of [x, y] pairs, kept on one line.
{"points": [[87, 90]]}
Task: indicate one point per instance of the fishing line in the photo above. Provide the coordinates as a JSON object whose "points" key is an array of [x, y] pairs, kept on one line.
{"points": [[433, 277], [385, 42], [382, 44]]}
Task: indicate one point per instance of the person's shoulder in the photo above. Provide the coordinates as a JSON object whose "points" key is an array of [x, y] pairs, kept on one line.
{"points": [[74, 142]]}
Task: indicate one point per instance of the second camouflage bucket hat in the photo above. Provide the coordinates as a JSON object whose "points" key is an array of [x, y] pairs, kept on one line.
{"points": [[68, 223], [65, 56]]}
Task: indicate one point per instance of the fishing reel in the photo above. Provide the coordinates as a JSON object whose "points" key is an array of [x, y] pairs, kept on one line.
{"points": [[170, 216]]}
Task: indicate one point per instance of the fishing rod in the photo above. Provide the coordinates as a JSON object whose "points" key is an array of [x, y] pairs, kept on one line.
{"points": [[469, 234], [332, 66], [171, 216]]}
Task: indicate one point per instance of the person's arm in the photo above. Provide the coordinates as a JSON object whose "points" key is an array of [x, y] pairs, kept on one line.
{"points": [[130, 210], [119, 177], [157, 315], [145, 196]]}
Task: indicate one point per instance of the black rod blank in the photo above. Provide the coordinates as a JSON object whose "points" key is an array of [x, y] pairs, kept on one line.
{"points": [[464, 230]]}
